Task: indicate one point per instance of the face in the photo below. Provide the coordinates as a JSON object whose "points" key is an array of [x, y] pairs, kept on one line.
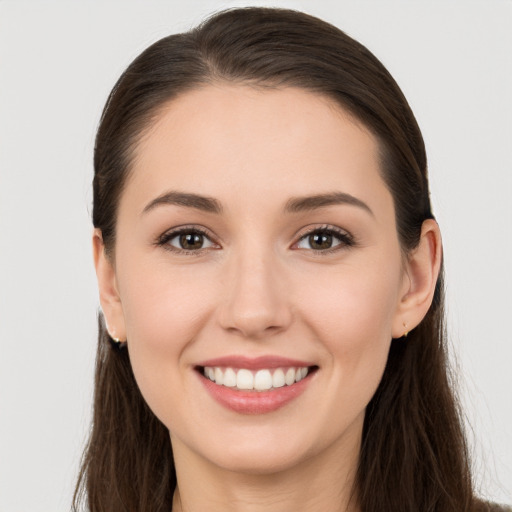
{"points": [[256, 244]]}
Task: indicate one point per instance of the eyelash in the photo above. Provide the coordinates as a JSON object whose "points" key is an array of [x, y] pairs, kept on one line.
{"points": [[164, 239], [346, 240]]}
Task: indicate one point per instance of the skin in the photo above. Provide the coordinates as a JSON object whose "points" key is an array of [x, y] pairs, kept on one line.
{"points": [[259, 288]]}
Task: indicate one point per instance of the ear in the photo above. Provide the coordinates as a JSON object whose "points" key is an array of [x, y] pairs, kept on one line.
{"points": [[420, 277], [107, 284]]}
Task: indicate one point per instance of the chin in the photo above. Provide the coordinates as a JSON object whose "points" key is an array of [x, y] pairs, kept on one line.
{"points": [[257, 461], [264, 448]]}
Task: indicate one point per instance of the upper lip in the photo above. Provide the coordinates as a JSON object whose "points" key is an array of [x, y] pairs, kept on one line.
{"points": [[255, 363]]}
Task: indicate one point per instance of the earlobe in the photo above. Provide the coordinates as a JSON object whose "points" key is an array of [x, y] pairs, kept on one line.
{"points": [[107, 285], [422, 270]]}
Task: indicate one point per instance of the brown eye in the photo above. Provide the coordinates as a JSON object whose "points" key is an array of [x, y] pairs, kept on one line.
{"points": [[320, 241], [191, 241], [324, 239], [186, 240]]}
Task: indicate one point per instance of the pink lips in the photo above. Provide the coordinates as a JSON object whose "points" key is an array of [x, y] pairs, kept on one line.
{"points": [[256, 363], [254, 402]]}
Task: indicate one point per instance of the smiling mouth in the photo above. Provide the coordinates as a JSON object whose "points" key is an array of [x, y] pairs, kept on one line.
{"points": [[265, 379]]}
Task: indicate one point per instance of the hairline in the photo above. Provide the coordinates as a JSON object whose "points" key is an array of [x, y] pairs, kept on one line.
{"points": [[215, 79]]}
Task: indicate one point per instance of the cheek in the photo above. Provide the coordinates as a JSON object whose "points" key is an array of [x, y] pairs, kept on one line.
{"points": [[351, 318], [355, 304], [164, 306], [163, 316], [351, 314]]}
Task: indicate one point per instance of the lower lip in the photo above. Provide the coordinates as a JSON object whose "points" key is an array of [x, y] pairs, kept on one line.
{"points": [[255, 402]]}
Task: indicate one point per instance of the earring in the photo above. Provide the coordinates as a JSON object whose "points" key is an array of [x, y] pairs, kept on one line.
{"points": [[116, 342], [406, 332]]}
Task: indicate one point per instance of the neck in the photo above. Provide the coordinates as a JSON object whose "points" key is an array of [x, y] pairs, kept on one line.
{"points": [[322, 482]]}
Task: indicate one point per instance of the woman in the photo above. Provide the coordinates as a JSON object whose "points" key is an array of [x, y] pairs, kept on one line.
{"points": [[270, 275]]}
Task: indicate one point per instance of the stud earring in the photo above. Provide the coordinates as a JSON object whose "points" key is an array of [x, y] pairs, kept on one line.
{"points": [[116, 342], [406, 332]]}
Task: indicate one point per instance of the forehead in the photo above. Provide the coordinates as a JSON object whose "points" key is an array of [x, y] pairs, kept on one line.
{"points": [[221, 139]]}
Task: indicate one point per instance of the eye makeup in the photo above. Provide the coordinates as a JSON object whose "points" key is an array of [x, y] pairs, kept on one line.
{"points": [[195, 240]]}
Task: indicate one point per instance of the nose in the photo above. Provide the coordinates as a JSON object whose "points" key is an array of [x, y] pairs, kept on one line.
{"points": [[255, 300]]}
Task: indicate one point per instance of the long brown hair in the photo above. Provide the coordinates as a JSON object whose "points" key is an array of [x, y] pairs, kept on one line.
{"points": [[413, 455]]}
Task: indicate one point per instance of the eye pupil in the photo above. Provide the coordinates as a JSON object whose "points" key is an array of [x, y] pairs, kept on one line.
{"points": [[191, 241], [320, 241]]}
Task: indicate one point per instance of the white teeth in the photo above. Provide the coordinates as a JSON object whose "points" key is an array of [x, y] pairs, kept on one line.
{"points": [[229, 378], [278, 379], [261, 380], [219, 376], [244, 379], [290, 376]]}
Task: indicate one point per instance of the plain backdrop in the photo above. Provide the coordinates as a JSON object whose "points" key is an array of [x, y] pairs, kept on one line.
{"points": [[59, 60]]}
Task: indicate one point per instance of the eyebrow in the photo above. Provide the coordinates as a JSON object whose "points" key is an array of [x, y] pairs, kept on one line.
{"points": [[307, 203], [293, 205], [206, 204]]}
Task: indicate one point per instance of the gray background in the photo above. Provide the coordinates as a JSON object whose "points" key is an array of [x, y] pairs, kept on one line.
{"points": [[58, 61]]}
